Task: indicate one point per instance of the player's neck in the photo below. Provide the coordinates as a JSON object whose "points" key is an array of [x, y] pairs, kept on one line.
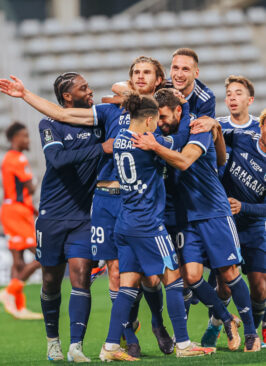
{"points": [[137, 129], [16, 148], [240, 118], [188, 90]]}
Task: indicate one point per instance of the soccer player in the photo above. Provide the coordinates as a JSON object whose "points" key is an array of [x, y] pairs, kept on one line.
{"points": [[141, 234], [17, 216], [146, 75], [63, 226], [208, 212]]}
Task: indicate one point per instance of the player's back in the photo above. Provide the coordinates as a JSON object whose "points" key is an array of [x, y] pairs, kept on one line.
{"points": [[15, 172], [142, 188], [112, 118]]}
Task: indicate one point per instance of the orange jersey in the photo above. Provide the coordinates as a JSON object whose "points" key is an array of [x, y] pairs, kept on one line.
{"points": [[17, 209], [15, 172]]}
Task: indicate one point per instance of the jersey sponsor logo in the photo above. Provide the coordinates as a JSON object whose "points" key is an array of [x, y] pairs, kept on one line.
{"points": [[43, 212], [83, 135], [68, 137], [124, 119], [231, 257], [175, 258], [48, 136], [255, 166], [140, 187], [247, 179], [244, 155]]}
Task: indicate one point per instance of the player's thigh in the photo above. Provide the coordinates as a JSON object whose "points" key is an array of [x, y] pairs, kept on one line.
{"points": [[51, 236], [221, 241], [105, 209], [130, 279], [78, 244], [154, 253], [257, 284], [192, 272]]}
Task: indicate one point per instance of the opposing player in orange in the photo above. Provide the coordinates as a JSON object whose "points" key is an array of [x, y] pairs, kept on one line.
{"points": [[17, 216]]}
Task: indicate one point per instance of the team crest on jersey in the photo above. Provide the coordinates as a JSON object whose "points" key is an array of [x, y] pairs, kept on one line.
{"points": [[94, 250], [175, 258], [48, 136], [97, 132]]}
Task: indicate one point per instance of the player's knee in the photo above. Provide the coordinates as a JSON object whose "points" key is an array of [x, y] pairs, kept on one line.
{"points": [[228, 274], [192, 277], [114, 280], [151, 281], [258, 291]]}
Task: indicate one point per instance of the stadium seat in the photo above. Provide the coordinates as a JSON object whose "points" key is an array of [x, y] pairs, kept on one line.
{"points": [[235, 17], [84, 43], [129, 40], [257, 15], [68, 62], [107, 41], [195, 37], [219, 36], [165, 20], [211, 18], [52, 26], [62, 44], [91, 61], [241, 35], [189, 19], [77, 26], [248, 53], [151, 39], [29, 28], [98, 23], [45, 64], [144, 21], [173, 38], [36, 46], [121, 23]]}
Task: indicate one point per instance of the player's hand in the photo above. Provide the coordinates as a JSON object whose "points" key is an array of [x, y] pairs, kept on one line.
{"points": [[108, 146], [202, 124], [144, 142], [180, 96], [235, 205], [13, 88]]}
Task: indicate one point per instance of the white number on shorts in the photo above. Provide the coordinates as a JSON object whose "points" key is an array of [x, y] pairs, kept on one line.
{"points": [[39, 238], [121, 168], [97, 234], [180, 240]]}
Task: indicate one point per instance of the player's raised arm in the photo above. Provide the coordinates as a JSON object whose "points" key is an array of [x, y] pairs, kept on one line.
{"points": [[16, 89]]}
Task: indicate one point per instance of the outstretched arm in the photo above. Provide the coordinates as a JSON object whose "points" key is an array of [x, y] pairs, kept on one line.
{"points": [[16, 89], [181, 161]]}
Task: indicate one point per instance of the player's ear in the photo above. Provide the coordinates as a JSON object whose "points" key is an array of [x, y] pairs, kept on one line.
{"points": [[250, 100], [158, 81], [178, 112], [67, 97], [197, 73]]}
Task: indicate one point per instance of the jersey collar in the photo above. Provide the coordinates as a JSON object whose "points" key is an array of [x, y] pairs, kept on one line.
{"points": [[241, 126], [259, 150], [190, 95]]}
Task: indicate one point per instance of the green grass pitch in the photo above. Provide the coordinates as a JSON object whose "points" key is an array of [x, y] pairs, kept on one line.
{"points": [[23, 342]]}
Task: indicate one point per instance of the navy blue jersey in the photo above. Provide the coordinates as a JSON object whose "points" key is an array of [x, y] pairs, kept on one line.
{"points": [[203, 195], [245, 177], [201, 100], [72, 154], [227, 124], [113, 118], [142, 187]]}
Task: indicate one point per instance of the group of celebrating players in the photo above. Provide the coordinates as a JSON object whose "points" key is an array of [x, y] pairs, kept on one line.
{"points": [[153, 184]]}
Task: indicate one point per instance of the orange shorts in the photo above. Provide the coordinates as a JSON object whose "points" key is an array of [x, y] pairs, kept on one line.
{"points": [[18, 224]]}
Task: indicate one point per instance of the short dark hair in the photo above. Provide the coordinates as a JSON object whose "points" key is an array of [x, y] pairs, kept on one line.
{"points": [[167, 98], [140, 106], [13, 129], [159, 70], [241, 80], [62, 84], [186, 52]]}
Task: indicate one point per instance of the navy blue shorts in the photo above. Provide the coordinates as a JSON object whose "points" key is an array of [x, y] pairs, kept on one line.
{"points": [[254, 260], [149, 255], [60, 240], [214, 241], [105, 209]]}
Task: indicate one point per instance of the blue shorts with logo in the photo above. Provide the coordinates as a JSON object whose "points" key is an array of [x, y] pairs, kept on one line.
{"points": [[149, 255], [105, 209], [60, 240], [254, 260], [210, 241]]}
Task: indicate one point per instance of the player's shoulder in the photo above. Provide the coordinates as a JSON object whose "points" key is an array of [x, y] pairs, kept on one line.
{"points": [[107, 106], [14, 157], [202, 91], [47, 121], [224, 121]]}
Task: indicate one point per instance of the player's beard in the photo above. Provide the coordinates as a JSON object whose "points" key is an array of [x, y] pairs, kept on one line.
{"points": [[80, 103], [173, 128]]}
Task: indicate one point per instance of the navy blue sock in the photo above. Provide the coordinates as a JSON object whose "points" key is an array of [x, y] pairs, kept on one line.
{"points": [[135, 307], [176, 309], [154, 298], [241, 298], [120, 314], [79, 312], [208, 296], [258, 310], [113, 295], [264, 318], [51, 308], [187, 293]]}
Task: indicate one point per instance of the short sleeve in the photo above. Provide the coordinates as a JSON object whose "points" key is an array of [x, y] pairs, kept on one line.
{"points": [[203, 140], [100, 113], [49, 135]]}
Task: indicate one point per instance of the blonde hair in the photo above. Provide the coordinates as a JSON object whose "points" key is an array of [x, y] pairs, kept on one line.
{"points": [[262, 117]]}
